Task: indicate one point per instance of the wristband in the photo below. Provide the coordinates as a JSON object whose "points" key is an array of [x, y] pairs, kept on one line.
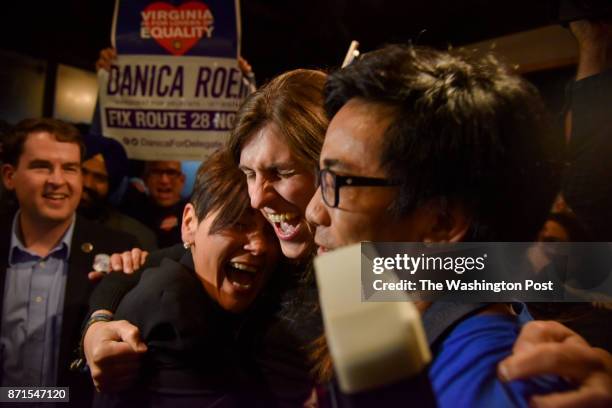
{"points": [[80, 363]]}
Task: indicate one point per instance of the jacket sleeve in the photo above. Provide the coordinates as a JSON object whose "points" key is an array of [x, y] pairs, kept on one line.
{"points": [[114, 287], [586, 185]]}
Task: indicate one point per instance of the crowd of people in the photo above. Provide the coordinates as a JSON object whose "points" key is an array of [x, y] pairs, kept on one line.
{"points": [[212, 300]]}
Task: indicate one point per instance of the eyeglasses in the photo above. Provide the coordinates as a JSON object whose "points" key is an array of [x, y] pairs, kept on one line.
{"points": [[171, 173], [330, 184]]}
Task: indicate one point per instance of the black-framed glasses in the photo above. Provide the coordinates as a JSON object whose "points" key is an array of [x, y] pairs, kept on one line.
{"points": [[170, 173], [330, 184]]}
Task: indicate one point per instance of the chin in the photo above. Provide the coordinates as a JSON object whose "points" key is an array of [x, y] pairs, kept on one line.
{"points": [[296, 250], [57, 216], [235, 306]]}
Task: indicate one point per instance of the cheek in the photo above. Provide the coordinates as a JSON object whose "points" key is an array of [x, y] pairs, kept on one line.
{"points": [[214, 273], [27, 192], [77, 184], [207, 267], [299, 192], [267, 222], [250, 187], [341, 226], [349, 228], [219, 250], [28, 186]]}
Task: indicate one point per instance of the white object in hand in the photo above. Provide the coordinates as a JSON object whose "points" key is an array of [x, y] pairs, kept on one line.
{"points": [[102, 263], [371, 343], [351, 54]]}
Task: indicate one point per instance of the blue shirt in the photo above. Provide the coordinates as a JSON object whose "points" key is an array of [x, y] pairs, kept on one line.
{"points": [[464, 372], [32, 312]]}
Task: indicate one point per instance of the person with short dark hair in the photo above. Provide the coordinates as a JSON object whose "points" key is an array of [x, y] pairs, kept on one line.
{"points": [[6, 201], [45, 253], [282, 125], [277, 173], [563, 227], [161, 208], [440, 147], [104, 170], [190, 312]]}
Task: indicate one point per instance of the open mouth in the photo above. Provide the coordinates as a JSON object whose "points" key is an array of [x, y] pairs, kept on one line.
{"points": [[286, 225], [242, 276], [164, 191], [55, 197]]}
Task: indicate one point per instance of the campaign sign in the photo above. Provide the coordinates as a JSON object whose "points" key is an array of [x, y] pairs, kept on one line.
{"points": [[174, 89]]}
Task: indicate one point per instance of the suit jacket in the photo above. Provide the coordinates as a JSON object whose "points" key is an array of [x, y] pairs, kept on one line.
{"points": [[88, 240]]}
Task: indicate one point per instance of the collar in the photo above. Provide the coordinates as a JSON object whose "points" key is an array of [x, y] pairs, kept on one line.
{"points": [[441, 317], [19, 253]]}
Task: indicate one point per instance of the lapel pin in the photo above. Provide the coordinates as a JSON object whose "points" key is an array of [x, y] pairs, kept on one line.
{"points": [[87, 247]]}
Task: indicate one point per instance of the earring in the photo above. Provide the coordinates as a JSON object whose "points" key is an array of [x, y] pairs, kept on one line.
{"points": [[186, 245]]}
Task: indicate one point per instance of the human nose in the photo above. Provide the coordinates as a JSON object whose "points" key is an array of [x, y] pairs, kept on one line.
{"points": [[165, 177], [256, 243], [57, 176], [260, 191], [88, 179], [316, 212]]}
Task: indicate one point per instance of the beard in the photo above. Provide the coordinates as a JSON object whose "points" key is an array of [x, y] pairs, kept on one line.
{"points": [[94, 207]]}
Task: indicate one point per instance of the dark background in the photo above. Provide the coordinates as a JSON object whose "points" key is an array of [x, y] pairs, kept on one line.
{"points": [[279, 35]]}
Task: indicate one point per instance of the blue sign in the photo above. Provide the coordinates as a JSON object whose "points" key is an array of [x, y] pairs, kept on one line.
{"points": [[180, 28]]}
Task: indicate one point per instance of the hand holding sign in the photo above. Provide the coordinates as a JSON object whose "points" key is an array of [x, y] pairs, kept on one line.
{"points": [[174, 82], [108, 55]]}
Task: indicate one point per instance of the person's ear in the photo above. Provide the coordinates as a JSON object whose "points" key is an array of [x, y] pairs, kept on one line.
{"points": [[189, 226], [8, 176], [447, 223]]}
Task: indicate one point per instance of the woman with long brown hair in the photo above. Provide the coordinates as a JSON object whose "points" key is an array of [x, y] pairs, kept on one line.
{"points": [[276, 142]]}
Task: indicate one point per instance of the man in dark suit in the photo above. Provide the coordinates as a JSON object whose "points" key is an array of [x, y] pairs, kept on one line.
{"points": [[46, 252]]}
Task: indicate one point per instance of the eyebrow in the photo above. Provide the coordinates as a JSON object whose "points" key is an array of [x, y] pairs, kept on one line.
{"points": [[38, 163], [47, 163], [94, 172], [274, 166], [337, 164]]}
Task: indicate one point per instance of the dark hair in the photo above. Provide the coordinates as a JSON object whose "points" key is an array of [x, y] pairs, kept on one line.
{"points": [[465, 130], [576, 231], [148, 164], [115, 158], [220, 185], [292, 101], [12, 148], [5, 129]]}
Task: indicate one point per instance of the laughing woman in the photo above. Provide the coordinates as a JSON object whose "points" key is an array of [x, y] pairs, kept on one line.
{"points": [[278, 135], [190, 312]]}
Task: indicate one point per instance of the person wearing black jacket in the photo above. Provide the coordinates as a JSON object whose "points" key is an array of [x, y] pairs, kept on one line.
{"points": [[45, 251], [194, 313]]}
